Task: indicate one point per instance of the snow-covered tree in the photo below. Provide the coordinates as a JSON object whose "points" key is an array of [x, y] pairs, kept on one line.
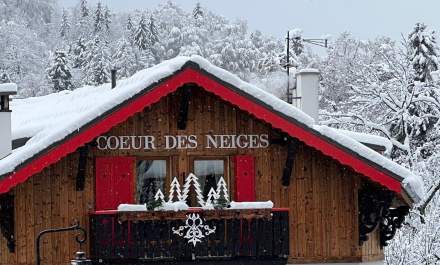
{"points": [[424, 50], [198, 11], [59, 72], [65, 25], [107, 19], [99, 19], [124, 58], [141, 36], [79, 53], [84, 9], [97, 62], [4, 77]]}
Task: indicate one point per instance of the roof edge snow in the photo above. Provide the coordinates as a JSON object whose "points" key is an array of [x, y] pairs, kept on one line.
{"points": [[147, 87]]}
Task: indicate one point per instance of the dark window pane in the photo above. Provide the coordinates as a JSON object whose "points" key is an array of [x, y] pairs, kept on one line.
{"points": [[209, 173], [151, 176]]}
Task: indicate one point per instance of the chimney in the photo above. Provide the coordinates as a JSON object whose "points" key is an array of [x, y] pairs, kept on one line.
{"points": [[6, 90], [307, 87]]}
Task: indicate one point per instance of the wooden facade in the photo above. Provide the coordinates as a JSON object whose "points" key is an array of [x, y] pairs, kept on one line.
{"points": [[322, 196]]}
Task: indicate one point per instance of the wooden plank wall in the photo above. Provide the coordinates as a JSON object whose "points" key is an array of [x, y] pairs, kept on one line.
{"points": [[322, 196]]}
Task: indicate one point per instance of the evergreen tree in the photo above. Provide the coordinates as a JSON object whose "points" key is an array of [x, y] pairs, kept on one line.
{"points": [[107, 19], [79, 53], [193, 181], [97, 62], [424, 52], [124, 58], [129, 26], [152, 32], [198, 12], [59, 73], [99, 23], [65, 25], [141, 35], [84, 9]]}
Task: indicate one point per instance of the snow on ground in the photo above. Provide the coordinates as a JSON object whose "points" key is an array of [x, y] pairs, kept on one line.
{"points": [[51, 118]]}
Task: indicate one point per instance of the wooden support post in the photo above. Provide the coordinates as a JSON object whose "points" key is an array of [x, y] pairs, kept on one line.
{"points": [[7, 224], [292, 147], [183, 110], [82, 167]]}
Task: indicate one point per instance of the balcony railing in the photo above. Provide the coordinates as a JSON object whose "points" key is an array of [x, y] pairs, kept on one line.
{"points": [[244, 236]]}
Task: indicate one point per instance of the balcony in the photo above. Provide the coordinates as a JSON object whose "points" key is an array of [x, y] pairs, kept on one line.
{"points": [[257, 236]]}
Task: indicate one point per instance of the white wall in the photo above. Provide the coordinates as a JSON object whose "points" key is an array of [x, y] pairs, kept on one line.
{"points": [[5, 134]]}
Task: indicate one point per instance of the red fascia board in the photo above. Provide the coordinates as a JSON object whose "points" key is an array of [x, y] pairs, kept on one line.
{"points": [[190, 75]]}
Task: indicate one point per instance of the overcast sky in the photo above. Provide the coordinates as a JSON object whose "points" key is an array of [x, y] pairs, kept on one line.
{"points": [[318, 18]]}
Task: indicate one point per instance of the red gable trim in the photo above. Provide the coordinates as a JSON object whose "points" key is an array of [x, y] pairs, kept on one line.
{"points": [[189, 75]]}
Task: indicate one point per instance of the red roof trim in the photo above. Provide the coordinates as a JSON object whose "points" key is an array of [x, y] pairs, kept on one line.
{"points": [[189, 75]]}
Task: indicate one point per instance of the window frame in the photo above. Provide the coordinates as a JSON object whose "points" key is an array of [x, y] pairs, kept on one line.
{"points": [[167, 183], [226, 163]]}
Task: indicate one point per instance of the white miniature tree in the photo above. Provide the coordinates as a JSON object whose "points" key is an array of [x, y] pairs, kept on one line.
{"points": [[159, 196], [222, 200], [193, 180], [211, 200], [222, 189], [175, 192]]}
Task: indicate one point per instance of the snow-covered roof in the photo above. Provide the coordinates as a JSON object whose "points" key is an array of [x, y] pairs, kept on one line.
{"points": [[369, 139], [49, 119], [9, 88]]}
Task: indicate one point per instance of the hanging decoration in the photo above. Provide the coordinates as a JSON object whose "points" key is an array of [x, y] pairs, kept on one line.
{"points": [[194, 230]]}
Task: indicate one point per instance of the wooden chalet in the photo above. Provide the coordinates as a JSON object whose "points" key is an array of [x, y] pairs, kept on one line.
{"points": [[75, 157]]}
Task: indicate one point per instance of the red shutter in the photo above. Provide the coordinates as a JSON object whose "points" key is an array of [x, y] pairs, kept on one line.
{"points": [[114, 182], [244, 178]]}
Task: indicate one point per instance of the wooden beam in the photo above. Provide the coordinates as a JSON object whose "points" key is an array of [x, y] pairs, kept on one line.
{"points": [[7, 224], [183, 110], [82, 167], [292, 147]]}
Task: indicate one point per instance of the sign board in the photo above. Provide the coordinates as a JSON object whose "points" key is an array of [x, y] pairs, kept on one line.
{"points": [[148, 142]]}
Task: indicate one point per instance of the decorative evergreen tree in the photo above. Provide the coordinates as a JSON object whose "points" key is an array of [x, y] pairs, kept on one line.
{"points": [[59, 73], [424, 52], [157, 202], [99, 23], [141, 35], [222, 194], [84, 9], [175, 193], [193, 180], [65, 25], [211, 199]]}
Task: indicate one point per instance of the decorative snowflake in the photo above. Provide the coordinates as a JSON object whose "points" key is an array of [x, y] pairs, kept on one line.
{"points": [[195, 228]]}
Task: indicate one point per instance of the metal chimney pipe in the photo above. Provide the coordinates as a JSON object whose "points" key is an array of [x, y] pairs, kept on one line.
{"points": [[113, 73]]}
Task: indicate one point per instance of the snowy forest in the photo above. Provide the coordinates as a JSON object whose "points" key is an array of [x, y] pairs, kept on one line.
{"points": [[381, 86]]}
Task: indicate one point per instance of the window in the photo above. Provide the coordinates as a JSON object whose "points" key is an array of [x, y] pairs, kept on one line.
{"points": [[209, 173], [151, 176]]}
